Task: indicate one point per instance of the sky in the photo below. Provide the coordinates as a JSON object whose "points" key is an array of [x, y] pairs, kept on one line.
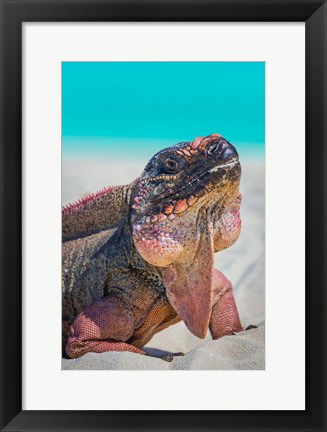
{"points": [[137, 108]]}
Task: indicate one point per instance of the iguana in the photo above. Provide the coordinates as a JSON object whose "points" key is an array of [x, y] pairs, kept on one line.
{"points": [[139, 258]]}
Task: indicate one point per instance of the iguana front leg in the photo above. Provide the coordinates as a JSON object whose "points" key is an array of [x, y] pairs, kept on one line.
{"points": [[224, 316], [103, 326]]}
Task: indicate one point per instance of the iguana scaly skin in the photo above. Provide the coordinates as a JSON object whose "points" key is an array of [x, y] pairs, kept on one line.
{"points": [[139, 258]]}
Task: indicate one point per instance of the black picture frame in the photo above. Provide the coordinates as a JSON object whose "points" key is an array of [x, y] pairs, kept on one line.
{"points": [[13, 14]]}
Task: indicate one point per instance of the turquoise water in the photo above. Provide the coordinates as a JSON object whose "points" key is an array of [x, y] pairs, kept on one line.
{"points": [[135, 109]]}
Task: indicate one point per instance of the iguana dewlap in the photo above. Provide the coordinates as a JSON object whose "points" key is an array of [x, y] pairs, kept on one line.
{"points": [[139, 258]]}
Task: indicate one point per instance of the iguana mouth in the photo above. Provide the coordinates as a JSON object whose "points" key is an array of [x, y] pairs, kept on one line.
{"points": [[231, 164]]}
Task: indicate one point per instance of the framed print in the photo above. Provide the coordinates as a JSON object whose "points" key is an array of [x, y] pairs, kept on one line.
{"points": [[212, 116]]}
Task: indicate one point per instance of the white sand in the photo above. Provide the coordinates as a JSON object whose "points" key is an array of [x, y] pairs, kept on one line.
{"points": [[243, 264], [246, 350]]}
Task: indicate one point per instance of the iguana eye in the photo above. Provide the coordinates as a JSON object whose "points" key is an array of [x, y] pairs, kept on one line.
{"points": [[171, 165]]}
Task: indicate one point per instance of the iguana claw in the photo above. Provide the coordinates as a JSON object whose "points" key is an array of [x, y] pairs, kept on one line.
{"points": [[170, 357], [251, 326]]}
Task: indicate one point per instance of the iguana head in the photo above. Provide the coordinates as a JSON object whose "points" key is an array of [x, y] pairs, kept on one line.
{"points": [[185, 207]]}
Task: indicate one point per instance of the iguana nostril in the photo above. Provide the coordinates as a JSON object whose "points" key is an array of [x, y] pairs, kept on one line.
{"points": [[213, 148], [216, 147]]}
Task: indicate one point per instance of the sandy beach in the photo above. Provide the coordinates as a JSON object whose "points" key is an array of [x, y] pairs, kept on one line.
{"points": [[243, 264]]}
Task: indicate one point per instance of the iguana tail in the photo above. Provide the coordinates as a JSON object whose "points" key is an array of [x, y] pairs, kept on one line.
{"points": [[96, 212]]}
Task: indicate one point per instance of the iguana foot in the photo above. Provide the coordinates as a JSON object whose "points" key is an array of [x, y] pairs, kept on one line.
{"points": [[78, 348], [170, 357], [224, 319]]}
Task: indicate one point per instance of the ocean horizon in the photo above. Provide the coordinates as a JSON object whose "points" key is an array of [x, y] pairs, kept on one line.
{"points": [[120, 149]]}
